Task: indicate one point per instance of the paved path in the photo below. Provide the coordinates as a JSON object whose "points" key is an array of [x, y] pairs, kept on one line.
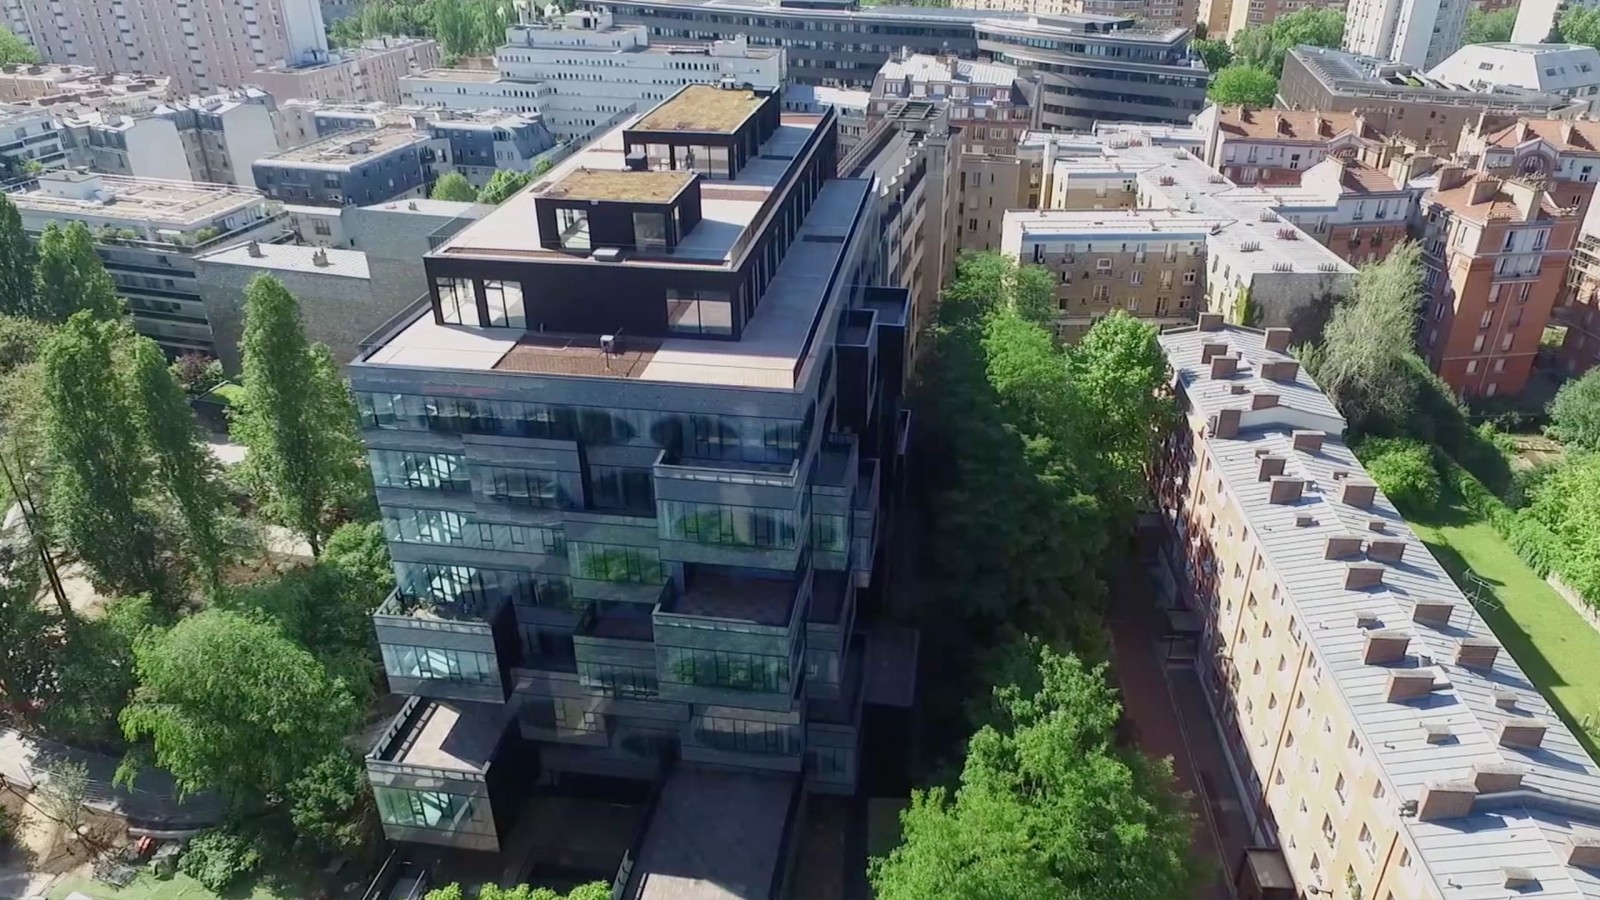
{"points": [[1147, 700], [152, 802]]}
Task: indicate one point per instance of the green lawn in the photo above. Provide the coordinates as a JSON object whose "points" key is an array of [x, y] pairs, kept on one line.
{"points": [[1558, 650], [148, 887]]}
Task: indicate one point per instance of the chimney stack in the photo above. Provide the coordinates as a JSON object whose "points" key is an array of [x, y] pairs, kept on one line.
{"points": [[1358, 494], [1433, 613], [1285, 490], [1309, 441], [1224, 366], [1522, 734], [1389, 550], [1361, 576], [1386, 647], [1210, 321], [1496, 777], [1278, 339], [1477, 653], [1270, 467], [1279, 369], [1583, 851], [1446, 800], [253, 249], [1341, 547], [1226, 424], [1211, 349], [1409, 684], [1263, 401]]}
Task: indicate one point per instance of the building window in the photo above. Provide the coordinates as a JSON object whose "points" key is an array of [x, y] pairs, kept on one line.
{"points": [[649, 231], [523, 487], [723, 669], [741, 526], [699, 312], [746, 736], [616, 564], [435, 664], [457, 303], [420, 470], [427, 809], [504, 299], [622, 488], [573, 226]]}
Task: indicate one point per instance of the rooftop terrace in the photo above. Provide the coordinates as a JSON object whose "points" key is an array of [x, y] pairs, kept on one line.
{"points": [[452, 735], [702, 108]]}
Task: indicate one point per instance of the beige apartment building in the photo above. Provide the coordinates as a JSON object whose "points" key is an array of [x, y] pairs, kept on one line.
{"points": [[204, 45], [1225, 18], [367, 74], [1388, 745]]}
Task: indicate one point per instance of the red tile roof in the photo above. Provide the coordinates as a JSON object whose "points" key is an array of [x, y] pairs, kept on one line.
{"points": [[1291, 125]]}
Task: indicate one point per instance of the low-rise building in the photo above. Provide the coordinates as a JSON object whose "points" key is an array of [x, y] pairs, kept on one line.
{"points": [[148, 233], [49, 85], [1386, 742], [211, 139], [849, 105], [32, 140], [1419, 108], [1276, 146], [1565, 70], [985, 101], [1495, 251], [1579, 309], [1167, 13], [370, 73], [353, 168]]}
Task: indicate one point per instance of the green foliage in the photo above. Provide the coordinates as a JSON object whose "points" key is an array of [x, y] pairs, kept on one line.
{"points": [[184, 466], [21, 339], [1578, 25], [1568, 504], [232, 704], [1404, 470], [542, 166], [462, 27], [331, 804], [298, 419], [1575, 412], [197, 373], [1245, 310], [1048, 806], [62, 794], [503, 183], [1215, 54], [14, 50], [361, 552], [1490, 27], [17, 259], [218, 859], [453, 186], [100, 478], [595, 890], [987, 282], [69, 276], [1243, 85], [1265, 46]]}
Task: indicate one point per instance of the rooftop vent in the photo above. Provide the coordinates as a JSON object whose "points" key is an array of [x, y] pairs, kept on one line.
{"points": [[1304, 520], [1309, 441], [1282, 267], [1327, 267], [1285, 489], [1433, 613], [1249, 246], [1438, 732], [1361, 576], [1496, 777], [1389, 550], [1409, 684], [1446, 800], [253, 249], [1377, 526], [1237, 389], [606, 254], [1477, 652], [1520, 879], [1277, 340], [1288, 234], [1386, 647], [1522, 734], [1358, 494], [1270, 467], [1583, 851], [319, 258], [1505, 698]]}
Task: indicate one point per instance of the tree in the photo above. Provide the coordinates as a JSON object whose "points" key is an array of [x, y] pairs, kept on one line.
{"points": [[1490, 27], [63, 793], [1405, 471], [1243, 85], [16, 259], [1578, 25], [1363, 363], [69, 276], [324, 611], [296, 417], [453, 185], [1575, 412], [595, 890], [197, 373], [503, 184], [332, 805], [1048, 806], [1265, 46], [1215, 54], [99, 476], [986, 282], [361, 552], [183, 464], [1568, 503], [232, 704], [14, 50]]}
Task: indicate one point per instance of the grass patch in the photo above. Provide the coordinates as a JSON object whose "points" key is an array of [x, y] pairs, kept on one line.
{"points": [[1557, 649], [287, 885], [228, 392]]}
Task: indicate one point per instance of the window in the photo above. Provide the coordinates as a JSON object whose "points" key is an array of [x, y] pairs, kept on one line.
{"points": [[1472, 364], [504, 299], [1339, 789], [573, 227], [616, 564], [435, 664], [1328, 832], [724, 669], [420, 470], [457, 304], [748, 736], [699, 312], [743, 526], [427, 809], [523, 487], [622, 488], [1188, 278], [1354, 743], [650, 231]]}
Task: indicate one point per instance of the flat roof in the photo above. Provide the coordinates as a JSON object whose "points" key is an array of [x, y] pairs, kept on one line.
{"points": [[1560, 787], [350, 147], [714, 836], [154, 200], [711, 594], [703, 108], [454, 735], [618, 184], [292, 258], [1111, 223]]}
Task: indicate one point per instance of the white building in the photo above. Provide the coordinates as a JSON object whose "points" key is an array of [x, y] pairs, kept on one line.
{"points": [[207, 139], [1570, 70], [29, 138], [148, 232], [1536, 18], [851, 105], [582, 71], [1422, 33]]}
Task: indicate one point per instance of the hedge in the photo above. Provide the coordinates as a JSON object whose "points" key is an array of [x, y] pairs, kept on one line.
{"points": [[1533, 542]]}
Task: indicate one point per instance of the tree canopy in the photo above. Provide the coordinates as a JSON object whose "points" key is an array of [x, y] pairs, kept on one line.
{"points": [[462, 27], [69, 276], [14, 50], [1048, 806], [1243, 85], [454, 186], [1490, 27], [502, 184], [1265, 46], [16, 262], [1577, 25], [1215, 54], [1575, 412]]}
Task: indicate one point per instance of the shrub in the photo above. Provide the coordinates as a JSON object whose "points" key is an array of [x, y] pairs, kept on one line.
{"points": [[218, 858], [1405, 471]]}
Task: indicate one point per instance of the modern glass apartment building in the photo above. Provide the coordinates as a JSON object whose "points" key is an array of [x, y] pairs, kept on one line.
{"points": [[630, 454]]}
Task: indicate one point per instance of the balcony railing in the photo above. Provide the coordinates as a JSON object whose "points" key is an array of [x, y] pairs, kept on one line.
{"points": [[728, 471]]}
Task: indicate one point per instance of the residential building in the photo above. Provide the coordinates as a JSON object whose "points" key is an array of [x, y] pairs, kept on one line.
{"points": [[1277, 146], [1386, 743], [148, 233], [581, 71], [1566, 70], [204, 45], [354, 168], [1166, 13], [1100, 68], [1224, 19], [1564, 154], [1419, 108], [1496, 251], [474, 143], [1359, 206], [52, 85], [1536, 19], [849, 105], [347, 288], [1579, 309], [987, 186], [632, 455], [29, 138], [828, 44], [1420, 33], [212, 139], [985, 101], [370, 73]]}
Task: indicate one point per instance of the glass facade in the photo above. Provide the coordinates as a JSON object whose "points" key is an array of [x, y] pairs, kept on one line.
{"points": [[746, 736], [623, 489], [504, 302], [699, 312], [438, 526], [621, 565], [429, 809], [830, 533], [469, 591], [420, 470], [526, 487], [635, 682], [458, 305], [740, 526], [724, 669], [434, 664]]}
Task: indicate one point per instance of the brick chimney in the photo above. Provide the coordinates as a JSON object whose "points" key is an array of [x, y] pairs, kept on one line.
{"points": [[1269, 467], [1496, 777], [1361, 576], [1210, 349], [1583, 851], [1385, 647], [1477, 653], [1285, 490], [1210, 321], [1389, 550], [1451, 177], [1409, 684], [1309, 441], [1279, 370], [1341, 547], [1227, 424], [1484, 188], [1263, 400], [1358, 494], [1277, 339], [1522, 734], [1224, 366], [1446, 800], [1433, 613]]}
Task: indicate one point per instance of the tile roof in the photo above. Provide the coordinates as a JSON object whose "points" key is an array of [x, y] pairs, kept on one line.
{"points": [[1566, 135], [1499, 205], [1293, 125], [1464, 857]]}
